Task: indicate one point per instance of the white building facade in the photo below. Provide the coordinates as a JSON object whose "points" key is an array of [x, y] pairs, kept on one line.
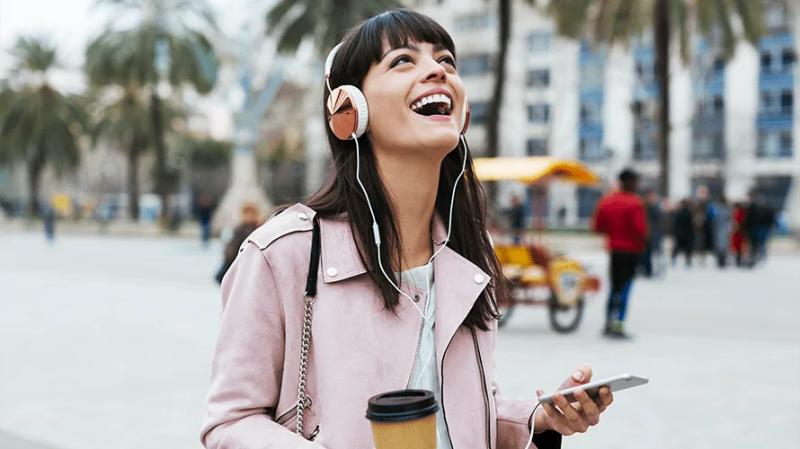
{"points": [[733, 126]]}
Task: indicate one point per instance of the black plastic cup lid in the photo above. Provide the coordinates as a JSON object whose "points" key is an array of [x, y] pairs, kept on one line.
{"points": [[401, 405]]}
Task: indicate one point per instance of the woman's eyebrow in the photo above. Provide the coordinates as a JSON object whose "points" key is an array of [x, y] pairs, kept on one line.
{"points": [[437, 47]]}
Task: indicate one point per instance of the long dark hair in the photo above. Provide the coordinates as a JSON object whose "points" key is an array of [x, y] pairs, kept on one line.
{"points": [[340, 195]]}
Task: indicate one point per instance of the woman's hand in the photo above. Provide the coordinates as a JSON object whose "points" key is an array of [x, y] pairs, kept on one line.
{"points": [[566, 418]]}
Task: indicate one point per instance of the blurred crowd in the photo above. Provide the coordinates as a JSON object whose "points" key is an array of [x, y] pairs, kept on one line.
{"points": [[703, 226]]}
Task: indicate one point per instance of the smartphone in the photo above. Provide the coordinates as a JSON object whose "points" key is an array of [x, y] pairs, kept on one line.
{"points": [[616, 383]]}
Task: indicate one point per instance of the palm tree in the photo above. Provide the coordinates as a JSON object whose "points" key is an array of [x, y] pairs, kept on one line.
{"points": [[38, 124], [126, 121], [169, 41], [617, 22], [322, 20]]}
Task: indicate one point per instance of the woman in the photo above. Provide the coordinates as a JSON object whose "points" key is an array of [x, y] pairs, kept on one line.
{"points": [[393, 259]]}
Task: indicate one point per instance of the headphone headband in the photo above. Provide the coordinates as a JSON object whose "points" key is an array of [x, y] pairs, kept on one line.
{"points": [[329, 59]]}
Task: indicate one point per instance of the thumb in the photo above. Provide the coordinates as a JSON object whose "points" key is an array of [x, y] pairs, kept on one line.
{"points": [[581, 376]]}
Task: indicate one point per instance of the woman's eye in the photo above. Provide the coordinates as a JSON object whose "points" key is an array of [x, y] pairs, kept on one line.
{"points": [[448, 60], [400, 59]]}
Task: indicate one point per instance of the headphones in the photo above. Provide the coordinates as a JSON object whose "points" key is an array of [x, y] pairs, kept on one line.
{"points": [[347, 109]]}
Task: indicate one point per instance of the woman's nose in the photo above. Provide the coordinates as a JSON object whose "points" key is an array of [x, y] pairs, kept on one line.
{"points": [[436, 72]]}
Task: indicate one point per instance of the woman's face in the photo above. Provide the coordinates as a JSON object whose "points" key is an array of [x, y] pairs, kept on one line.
{"points": [[415, 99]]}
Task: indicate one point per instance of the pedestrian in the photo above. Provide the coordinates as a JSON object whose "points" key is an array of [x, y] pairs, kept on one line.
{"points": [[205, 209], [653, 254], [379, 281], [703, 223], [738, 234], [757, 223], [249, 221], [683, 231], [721, 230], [516, 219], [49, 221], [620, 216]]}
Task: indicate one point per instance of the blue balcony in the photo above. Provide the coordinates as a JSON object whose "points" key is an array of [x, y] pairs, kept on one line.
{"points": [[592, 95], [590, 130], [769, 80], [776, 41], [770, 121]]}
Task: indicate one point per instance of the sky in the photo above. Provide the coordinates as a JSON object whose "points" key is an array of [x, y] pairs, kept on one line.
{"points": [[72, 23]]}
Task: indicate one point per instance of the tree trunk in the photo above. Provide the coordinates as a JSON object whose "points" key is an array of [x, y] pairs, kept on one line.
{"points": [[133, 181], [34, 177], [496, 103], [161, 154], [661, 31]]}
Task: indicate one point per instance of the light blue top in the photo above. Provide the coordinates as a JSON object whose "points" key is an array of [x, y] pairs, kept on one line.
{"points": [[425, 376]]}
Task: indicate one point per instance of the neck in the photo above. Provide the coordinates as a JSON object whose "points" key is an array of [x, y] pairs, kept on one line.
{"points": [[413, 201]]}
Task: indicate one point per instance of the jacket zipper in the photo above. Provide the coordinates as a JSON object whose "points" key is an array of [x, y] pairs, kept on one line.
{"points": [[483, 388], [287, 415]]}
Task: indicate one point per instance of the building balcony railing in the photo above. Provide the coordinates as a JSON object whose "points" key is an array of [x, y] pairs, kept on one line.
{"points": [[772, 79], [775, 153], [773, 120]]}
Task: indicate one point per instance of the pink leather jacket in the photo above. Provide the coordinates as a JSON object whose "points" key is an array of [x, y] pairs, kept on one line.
{"points": [[358, 349]]}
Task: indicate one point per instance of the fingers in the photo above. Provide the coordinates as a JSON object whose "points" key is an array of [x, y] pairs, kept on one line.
{"points": [[591, 412], [586, 370], [605, 398], [573, 417]]}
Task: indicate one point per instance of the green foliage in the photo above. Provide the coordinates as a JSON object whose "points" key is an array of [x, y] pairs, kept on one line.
{"points": [[618, 21], [324, 21], [38, 124], [127, 56], [205, 152]]}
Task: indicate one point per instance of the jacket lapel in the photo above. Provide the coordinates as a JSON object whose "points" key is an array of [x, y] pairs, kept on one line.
{"points": [[458, 283]]}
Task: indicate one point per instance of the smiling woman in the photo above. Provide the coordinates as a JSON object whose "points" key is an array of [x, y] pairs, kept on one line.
{"points": [[409, 281]]}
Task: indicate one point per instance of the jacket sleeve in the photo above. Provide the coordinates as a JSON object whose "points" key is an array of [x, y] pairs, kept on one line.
{"points": [[640, 223], [246, 369], [514, 420]]}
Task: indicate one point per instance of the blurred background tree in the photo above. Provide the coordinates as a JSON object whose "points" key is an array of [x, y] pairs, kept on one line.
{"points": [[39, 126], [160, 41], [619, 21], [122, 118], [324, 21]]}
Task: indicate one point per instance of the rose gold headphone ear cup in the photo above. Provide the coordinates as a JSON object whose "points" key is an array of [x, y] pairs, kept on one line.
{"points": [[347, 112], [465, 113]]}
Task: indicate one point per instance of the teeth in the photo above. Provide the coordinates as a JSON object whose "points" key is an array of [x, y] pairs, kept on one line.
{"points": [[435, 98]]}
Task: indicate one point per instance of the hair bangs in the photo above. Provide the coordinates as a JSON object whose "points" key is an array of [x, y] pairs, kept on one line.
{"points": [[363, 45]]}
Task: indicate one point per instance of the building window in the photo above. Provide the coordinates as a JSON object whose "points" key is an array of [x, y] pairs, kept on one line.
{"points": [[587, 201], [538, 41], [773, 191], [538, 113], [787, 100], [766, 62], [788, 59], [719, 103], [708, 147], [474, 65], [591, 75], [591, 112], [537, 147], [538, 78], [591, 149], [775, 143], [644, 146], [478, 112]]}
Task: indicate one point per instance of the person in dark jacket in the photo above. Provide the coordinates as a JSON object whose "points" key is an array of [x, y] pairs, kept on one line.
{"points": [[683, 232], [249, 223], [651, 257], [620, 216]]}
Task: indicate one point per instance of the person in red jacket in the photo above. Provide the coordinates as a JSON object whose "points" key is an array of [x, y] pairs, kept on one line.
{"points": [[620, 216]]}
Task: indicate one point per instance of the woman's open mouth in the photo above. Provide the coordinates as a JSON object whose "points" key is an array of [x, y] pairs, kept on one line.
{"points": [[436, 106]]}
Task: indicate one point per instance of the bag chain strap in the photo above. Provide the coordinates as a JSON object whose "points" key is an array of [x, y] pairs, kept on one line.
{"points": [[302, 399]]}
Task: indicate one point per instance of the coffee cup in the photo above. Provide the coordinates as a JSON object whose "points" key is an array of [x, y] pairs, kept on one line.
{"points": [[403, 419]]}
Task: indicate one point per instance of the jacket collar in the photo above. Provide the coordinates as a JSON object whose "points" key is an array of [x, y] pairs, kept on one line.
{"points": [[458, 282], [340, 257]]}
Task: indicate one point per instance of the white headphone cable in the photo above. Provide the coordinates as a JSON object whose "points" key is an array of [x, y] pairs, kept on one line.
{"points": [[376, 231]]}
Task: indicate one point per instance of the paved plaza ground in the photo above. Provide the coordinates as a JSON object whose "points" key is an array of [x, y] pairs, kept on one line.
{"points": [[105, 344]]}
